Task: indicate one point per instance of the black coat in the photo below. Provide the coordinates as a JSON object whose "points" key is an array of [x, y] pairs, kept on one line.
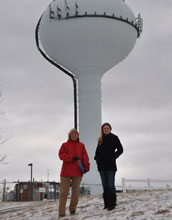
{"points": [[107, 152]]}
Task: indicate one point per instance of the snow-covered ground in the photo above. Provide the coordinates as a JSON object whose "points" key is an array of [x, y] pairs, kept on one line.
{"points": [[140, 205]]}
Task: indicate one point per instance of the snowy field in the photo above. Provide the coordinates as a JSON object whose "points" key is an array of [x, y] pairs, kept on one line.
{"points": [[143, 205]]}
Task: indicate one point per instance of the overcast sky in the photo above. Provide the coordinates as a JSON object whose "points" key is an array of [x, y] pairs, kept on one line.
{"points": [[38, 98]]}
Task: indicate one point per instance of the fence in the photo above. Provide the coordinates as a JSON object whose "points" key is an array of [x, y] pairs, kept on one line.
{"points": [[148, 184], [7, 191], [28, 191]]}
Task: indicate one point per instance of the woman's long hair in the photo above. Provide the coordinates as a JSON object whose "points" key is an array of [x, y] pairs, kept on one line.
{"points": [[100, 139]]}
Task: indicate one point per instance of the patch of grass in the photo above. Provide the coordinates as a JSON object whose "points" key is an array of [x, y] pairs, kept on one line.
{"points": [[159, 212], [137, 213]]}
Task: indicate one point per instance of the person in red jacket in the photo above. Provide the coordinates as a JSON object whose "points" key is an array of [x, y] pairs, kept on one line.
{"points": [[71, 152]]}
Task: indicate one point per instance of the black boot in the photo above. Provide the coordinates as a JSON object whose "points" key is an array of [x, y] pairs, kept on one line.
{"points": [[105, 198], [111, 201]]}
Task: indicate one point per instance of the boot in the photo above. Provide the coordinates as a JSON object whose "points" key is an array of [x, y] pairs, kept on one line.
{"points": [[105, 198], [111, 201]]}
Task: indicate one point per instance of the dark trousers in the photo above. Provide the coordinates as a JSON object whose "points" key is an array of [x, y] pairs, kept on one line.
{"points": [[108, 181], [109, 191]]}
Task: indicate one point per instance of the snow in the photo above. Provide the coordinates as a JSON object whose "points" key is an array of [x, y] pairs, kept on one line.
{"points": [[139, 205]]}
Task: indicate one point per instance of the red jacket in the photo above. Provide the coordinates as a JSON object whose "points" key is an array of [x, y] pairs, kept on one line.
{"points": [[67, 151]]}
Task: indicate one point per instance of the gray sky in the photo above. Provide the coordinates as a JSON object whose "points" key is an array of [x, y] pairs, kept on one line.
{"points": [[38, 98]]}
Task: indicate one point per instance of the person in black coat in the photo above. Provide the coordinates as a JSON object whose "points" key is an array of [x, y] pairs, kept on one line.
{"points": [[109, 148]]}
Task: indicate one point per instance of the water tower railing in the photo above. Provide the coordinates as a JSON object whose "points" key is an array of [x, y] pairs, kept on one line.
{"points": [[58, 15]]}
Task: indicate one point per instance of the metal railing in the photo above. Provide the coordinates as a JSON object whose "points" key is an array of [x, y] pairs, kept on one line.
{"points": [[147, 184]]}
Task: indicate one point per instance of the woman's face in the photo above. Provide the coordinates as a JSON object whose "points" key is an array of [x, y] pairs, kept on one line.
{"points": [[106, 129], [74, 136]]}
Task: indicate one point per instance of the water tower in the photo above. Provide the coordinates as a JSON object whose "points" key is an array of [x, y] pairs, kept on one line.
{"points": [[86, 38]]}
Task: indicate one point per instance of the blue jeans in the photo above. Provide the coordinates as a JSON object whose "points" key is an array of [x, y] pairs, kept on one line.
{"points": [[108, 181]]}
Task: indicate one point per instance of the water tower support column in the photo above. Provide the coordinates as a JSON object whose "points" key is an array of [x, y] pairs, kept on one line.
{"points": [[89, 86]]}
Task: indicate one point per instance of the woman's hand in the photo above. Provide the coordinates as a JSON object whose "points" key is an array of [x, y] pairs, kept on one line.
{"points": [[75, 158]]}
